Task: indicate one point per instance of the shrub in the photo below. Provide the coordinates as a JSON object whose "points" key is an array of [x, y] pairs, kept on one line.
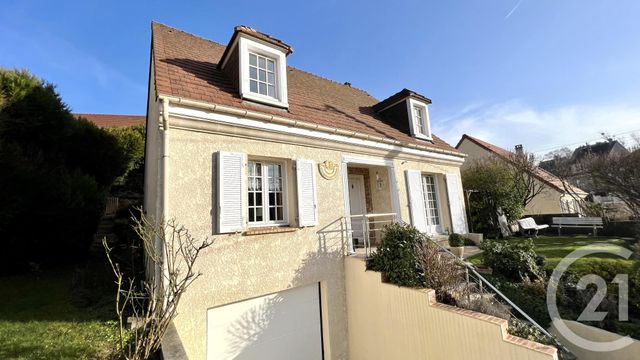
{"points": [[396, 256], [469, 242], [530, 296], [55, 173], [513, 259], [456, 240]]}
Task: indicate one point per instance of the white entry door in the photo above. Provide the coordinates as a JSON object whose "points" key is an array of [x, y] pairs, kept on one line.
{"points": [[284, 325], [358, 206], [431, 204]]}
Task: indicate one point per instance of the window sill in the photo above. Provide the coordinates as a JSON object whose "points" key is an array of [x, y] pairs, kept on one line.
{"points": [[269, 230]]}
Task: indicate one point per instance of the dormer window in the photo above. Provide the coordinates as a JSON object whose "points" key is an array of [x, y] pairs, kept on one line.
{"points": [[419, 119], [262, 75]]}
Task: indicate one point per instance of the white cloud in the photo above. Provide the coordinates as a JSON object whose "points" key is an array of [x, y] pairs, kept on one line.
{"points": [[539, 130]]}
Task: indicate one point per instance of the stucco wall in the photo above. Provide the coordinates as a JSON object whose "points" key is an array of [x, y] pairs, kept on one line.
{"points": [[547, 202], [631, 352], [238, 266], [391, 322]]}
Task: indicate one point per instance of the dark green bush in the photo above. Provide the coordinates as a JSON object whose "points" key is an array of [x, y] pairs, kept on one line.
{"points": [[396, 256], [56, 171], [468, 242], [513, 259], [456, 240]]}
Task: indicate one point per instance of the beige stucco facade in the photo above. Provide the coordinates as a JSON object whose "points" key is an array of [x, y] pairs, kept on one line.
{"points": [[241, 266], [549, 201]]}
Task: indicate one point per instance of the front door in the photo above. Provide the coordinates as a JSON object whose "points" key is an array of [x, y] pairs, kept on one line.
{"points": [[358, 206], [432, 209]]}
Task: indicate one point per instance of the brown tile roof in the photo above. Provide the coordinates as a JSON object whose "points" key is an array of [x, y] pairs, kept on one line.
{"points": [[543, 175], [113, 121], [186, 66]]}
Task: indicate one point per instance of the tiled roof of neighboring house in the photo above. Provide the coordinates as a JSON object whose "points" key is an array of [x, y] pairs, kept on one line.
{"points": [[112, 121], [543, 175], [599, 148], [186, 66]]}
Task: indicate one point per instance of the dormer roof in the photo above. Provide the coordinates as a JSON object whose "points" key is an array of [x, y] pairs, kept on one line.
{"points": [[400, 95]]}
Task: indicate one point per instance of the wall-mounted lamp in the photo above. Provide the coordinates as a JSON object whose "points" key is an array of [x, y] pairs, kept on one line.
{"points": [[379, 182]]}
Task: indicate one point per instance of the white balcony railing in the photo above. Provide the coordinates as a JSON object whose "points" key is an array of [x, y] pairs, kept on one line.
{"points": [[366, 227]]}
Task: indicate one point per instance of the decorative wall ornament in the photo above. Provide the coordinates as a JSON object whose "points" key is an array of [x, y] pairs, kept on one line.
{"points": [[328, 169]]}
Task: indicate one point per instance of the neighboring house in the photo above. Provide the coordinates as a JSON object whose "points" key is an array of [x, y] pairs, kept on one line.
{"points": [[612, 206], [553, 199], [113, 121], [272, 162]]}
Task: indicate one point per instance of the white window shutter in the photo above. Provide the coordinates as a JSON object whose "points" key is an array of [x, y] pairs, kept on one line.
{"points": [[307, 192], [416, 200], [231, 191], [456, 204]]}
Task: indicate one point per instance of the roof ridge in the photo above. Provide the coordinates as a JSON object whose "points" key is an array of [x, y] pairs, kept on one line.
{"points": [[333, 81], [186, 32]]}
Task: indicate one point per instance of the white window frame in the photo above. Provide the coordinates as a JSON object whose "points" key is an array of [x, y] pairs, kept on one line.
{"points": [[438, 227], [265, 193], [246, 46], [426, 123]]}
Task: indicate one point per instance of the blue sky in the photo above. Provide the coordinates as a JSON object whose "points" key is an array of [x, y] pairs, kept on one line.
{"points": [[544, 73]]}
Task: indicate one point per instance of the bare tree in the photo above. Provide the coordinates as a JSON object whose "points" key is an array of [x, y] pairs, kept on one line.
{"points": [[171, 252], [526, 184]]}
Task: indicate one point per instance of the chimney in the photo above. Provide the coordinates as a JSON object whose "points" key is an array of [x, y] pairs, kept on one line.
{"points": [[519, 150]]}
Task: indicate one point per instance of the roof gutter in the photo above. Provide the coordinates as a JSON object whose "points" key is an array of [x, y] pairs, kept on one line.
{"points": [[255, 115]]}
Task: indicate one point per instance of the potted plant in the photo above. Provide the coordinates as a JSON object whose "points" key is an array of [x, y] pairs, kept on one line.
{"points": [[456, 244]]}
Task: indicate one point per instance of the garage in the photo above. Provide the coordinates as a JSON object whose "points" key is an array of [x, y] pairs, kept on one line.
{"points": [[283, 325]]}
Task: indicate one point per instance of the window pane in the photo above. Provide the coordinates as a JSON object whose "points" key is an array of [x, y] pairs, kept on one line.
{"points": [[253, 72], [258, 214], [279, 198], [251, 197], [259, 169], [259, 199], [252, 216], [271, 170], [263, 75], [253, 60], [270, 65], [271, 78], [280, 214], [272, 198], [272, 214], [253, 86], [263, 89], [261, 62], [272, 91]]}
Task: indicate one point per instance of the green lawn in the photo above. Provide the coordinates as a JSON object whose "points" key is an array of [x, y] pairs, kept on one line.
{"points": [[555, 248], [38, 319]]}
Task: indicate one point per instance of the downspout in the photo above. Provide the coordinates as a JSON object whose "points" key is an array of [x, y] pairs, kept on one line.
{"points": [[163, 216]]}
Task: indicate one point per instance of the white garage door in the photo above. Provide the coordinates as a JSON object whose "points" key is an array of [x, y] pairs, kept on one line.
{"points": [[284, 325]]}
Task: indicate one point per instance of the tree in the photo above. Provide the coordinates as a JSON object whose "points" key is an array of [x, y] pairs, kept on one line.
{"points": [[56, 171], [491, 183], [526, 185]]}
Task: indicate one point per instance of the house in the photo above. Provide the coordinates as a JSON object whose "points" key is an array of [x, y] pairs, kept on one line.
{"points": [[554, 199], [112, 120], [290, 173], [612, 206]]}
